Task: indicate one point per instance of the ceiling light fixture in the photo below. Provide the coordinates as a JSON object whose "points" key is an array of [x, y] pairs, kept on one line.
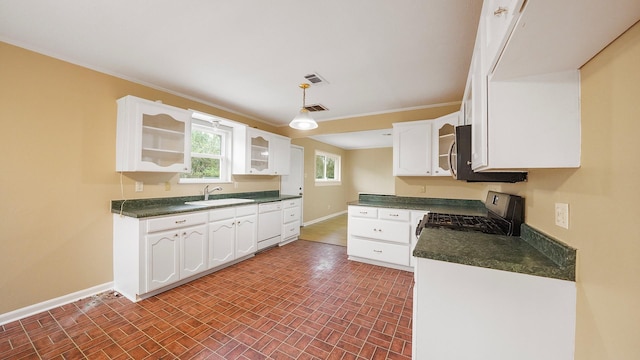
{"points": [[303, 121]]}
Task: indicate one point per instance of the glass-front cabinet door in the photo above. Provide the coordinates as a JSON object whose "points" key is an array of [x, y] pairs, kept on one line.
{"points": [[443, 137], [152, 137], [259, 154]]}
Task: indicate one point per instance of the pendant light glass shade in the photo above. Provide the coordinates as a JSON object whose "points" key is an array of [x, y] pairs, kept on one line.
{"points": [[303, 121]]}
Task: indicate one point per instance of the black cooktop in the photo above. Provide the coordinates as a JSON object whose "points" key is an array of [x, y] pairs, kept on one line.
{"points": [[505, 215]]}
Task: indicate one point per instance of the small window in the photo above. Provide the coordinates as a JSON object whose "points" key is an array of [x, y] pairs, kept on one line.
{"points": [[327, 168], [210, 154]]}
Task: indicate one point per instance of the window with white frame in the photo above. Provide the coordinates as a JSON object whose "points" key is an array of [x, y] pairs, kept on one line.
{"points": [[327, 168], [210, 153]]}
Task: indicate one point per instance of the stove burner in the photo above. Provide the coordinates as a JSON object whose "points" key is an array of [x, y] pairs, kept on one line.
{"points": [[467, 223]]}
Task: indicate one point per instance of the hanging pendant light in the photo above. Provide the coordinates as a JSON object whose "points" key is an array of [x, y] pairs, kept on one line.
{"points": [[303, 121]]}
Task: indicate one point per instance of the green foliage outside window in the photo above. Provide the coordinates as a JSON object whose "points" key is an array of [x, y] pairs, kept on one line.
{"points": [[206, 148], [325, 168]]}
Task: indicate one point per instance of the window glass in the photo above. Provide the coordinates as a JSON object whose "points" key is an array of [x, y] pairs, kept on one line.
{"points": [[327, 168], [210, 154]]}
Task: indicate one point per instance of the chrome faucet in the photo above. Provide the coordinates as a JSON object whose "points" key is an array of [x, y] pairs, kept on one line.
{"points": [[206, 191]]}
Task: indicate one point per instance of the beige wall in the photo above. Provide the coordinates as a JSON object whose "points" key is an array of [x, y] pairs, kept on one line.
{"points": [[58, 177], [370, 171]]}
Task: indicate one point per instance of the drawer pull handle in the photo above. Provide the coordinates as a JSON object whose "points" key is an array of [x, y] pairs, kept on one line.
{"points": [[499, 11], [377, 251], [364, 212], [396, 215], [181, 221]]}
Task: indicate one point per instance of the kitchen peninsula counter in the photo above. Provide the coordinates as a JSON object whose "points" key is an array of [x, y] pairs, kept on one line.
{"points": [[532, 253], [143, 208]]}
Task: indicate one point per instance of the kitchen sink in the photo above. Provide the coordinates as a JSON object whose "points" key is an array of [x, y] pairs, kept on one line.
{"points": [[219, 202]]}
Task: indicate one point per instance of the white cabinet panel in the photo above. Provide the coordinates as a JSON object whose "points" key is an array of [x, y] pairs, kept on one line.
{"points": [[257, 152], [152, 136], [379, 251], [497, 315], [421, 148], [221, 242], [246, 235], [193, 250], [412, 148], [162, 260]]}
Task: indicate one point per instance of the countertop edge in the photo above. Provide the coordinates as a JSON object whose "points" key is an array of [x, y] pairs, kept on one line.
{"points": [[145, 208]]}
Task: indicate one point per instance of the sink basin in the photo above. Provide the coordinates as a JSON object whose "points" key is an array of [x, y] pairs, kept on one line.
{"points": [[219, 202]]}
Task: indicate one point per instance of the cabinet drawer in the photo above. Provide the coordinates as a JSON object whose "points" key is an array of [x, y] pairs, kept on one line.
{"points": [[222, 214], [246, 210], [362, 211], [174, 222], [291, 230], [291, 214], [394, 214], [391, 253], [290, 203], [398, 232]]}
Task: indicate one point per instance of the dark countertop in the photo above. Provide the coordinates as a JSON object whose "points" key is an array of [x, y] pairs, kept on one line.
{"points": [[446, 206], [508, 253], [143, 208]]}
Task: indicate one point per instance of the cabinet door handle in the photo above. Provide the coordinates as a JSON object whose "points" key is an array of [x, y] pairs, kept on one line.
{"points": [[499, 11], [176, 235], [184, 233], [181, 221]]}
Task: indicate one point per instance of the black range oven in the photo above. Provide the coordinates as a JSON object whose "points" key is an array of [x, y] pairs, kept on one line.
{"points": [[505, 214]]}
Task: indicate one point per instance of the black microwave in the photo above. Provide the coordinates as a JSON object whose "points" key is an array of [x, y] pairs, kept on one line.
{"points": [[460, 162]]}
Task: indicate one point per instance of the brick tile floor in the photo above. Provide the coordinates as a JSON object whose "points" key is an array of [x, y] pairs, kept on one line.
{"points": [[302, 301]]}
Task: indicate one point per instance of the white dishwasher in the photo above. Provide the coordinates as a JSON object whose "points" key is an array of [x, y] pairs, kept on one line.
{"points": [[269, 224]]}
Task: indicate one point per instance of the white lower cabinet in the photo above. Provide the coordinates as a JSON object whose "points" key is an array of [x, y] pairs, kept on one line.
{"points": [[290, 220], [232, 234], [175, 255], [379, 235], [467, 312], [151, 255]]}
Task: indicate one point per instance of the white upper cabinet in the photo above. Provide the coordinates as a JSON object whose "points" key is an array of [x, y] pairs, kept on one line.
{"points": [[412, 148], [259, 152], [152, 136], [420, 148], [523, 91]]}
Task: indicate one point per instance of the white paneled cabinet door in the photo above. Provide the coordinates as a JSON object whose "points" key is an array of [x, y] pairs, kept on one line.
{"points": [[246, 235], [193, 250], [221, 242], [280, 153], [412, 148], [162, 258]]}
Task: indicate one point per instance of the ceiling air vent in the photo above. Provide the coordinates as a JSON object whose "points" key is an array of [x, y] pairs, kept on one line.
{"points": [[316, 107], [315, 79]]}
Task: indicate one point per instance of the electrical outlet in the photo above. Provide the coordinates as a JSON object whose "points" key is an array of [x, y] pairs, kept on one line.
{"points": [[562, 215], [139, 186]]}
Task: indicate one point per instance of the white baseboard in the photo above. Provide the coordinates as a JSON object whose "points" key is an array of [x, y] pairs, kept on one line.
{"points": [[53, 303], [324, 218]]}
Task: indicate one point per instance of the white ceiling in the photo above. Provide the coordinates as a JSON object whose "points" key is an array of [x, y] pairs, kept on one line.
{"points": [[249, 56]]}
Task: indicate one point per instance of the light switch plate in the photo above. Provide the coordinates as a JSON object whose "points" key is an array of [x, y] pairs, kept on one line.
{"points": [[562, 215], [139, 186]]}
